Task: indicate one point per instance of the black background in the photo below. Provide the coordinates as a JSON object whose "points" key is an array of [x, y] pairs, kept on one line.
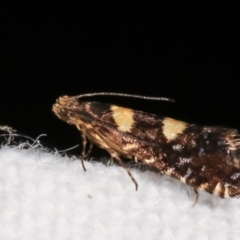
{"points": [[185, 50]]}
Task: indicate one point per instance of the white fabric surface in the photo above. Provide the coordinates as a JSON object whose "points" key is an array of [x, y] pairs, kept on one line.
{"points": [[47, 196]]}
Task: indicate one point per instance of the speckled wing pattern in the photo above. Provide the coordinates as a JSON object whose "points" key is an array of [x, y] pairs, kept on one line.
{"points": [[205, 158]]}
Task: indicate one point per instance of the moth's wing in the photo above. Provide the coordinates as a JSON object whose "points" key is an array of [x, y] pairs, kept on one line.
{"points": [[203, 157], [176, 138]]}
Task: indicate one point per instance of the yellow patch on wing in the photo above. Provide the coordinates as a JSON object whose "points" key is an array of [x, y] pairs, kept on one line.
{"points": [[123, 118], [172, 127], [169, 171], [204, 186], [151, 160], [183, 179]]}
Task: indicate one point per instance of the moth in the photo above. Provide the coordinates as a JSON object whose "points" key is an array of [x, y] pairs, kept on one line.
{"points": [[204, 157]]}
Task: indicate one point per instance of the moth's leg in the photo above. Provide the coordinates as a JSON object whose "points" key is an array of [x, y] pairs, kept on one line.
{"points": [[84, 146], [84, 143], [197, 195], [111, 161], [89, 149], [120, 162]]}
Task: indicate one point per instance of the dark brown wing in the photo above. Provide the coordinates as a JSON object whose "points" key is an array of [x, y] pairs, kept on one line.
{"points": [[203, 157]]}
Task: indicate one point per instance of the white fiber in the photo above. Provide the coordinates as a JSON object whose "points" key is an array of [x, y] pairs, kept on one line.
{"points": [[47, 196]]}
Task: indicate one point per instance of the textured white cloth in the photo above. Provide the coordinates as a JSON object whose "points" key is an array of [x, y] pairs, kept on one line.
{"points": [[47, 196]]}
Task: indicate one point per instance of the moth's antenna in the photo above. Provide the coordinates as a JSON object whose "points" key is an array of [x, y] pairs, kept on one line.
{"points": [[125, 95]]}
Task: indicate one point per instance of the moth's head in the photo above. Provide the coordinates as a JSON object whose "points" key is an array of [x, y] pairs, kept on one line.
{"points": [[63, 105]]}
